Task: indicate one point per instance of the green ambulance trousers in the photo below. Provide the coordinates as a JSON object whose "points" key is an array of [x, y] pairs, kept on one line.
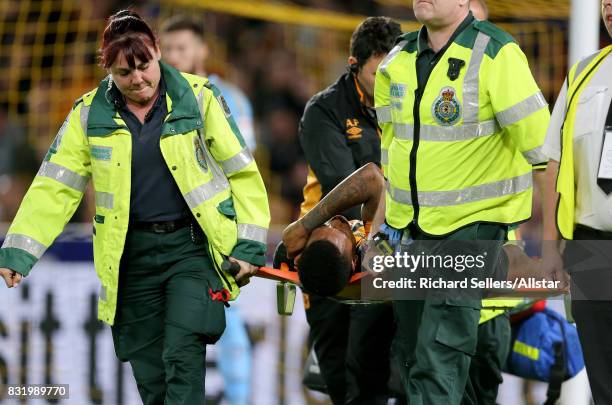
{"points": [[438, 337], [494, 337], [166, 316]]}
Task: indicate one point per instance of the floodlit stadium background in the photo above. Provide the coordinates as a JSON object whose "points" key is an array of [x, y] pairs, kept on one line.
{"points": [[280, 53]]}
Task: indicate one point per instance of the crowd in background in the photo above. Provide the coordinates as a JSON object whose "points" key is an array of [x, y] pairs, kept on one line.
{"points": [[257, 56]]}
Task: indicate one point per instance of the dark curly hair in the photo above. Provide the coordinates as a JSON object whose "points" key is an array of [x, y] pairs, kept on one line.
{"points": [[374, 36], [323, 269]]}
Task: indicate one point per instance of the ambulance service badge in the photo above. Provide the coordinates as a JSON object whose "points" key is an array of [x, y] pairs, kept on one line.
{"points": [[446, 109]]}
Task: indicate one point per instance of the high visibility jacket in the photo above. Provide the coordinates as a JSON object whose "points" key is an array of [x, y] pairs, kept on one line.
{"points": [[578, 80], [461, 149], [203, 150]]}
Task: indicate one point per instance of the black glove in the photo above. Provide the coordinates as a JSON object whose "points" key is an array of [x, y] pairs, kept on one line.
{"points": [[280, 256]]}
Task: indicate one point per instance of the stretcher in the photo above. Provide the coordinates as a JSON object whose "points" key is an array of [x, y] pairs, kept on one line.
{"points": [[285, 275], [288, 280]]}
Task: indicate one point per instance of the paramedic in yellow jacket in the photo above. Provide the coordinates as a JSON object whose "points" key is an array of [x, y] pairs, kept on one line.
{"points": [[177, 193], [578, 205], [463, 123]]}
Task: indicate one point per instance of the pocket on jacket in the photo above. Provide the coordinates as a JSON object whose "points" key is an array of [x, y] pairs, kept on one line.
{"points": [[226, 207], [225, 229]]}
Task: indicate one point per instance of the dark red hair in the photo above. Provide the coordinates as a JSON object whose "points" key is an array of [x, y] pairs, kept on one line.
{"points": [[126, 32]]}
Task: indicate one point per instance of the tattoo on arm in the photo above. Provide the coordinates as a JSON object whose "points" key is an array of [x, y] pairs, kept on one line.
{"points": [[356, 189]]}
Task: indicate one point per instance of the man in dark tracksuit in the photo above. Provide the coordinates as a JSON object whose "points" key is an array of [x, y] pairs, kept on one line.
{"points": [[339, 134]]}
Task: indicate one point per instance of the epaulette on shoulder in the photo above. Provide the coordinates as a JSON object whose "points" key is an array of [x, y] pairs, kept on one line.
{"points": [[85, 98], [195, 81], [77, 102], [409, 38], [499, 37], [496, 33]]}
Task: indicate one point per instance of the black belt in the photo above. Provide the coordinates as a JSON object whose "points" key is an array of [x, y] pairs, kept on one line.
{"points": [[583, 232], [161, 226]]}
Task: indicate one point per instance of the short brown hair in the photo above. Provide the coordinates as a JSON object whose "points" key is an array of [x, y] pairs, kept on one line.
{"points": [[126, 32], [183, 23]]}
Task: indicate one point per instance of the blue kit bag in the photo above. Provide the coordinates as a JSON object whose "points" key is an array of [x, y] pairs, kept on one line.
{"points": [[545, 347]]}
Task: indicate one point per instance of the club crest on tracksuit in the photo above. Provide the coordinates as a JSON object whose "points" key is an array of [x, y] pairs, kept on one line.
{"points": [[446, 109], [199, 154], [353, 131]]}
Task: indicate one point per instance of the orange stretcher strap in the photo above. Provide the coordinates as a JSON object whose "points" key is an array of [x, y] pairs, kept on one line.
{"points": [[286, 275]]}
